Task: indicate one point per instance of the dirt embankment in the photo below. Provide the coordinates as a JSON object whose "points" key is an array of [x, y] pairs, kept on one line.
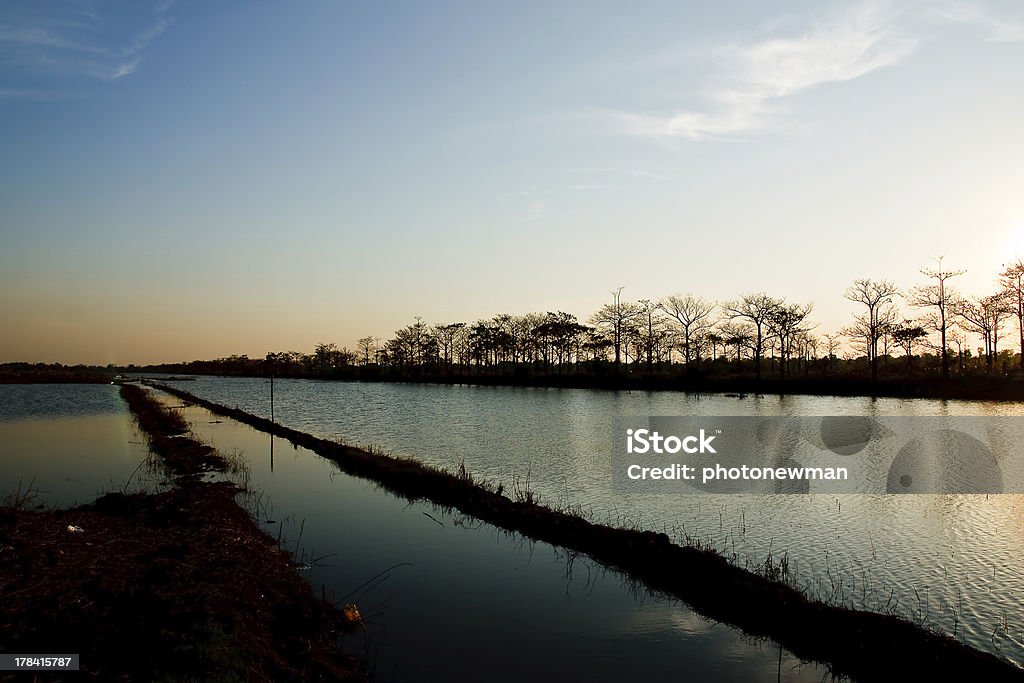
{"points": [[180, 585]]}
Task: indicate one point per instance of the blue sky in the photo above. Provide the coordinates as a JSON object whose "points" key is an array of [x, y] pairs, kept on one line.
{"points": [[192, 179]]}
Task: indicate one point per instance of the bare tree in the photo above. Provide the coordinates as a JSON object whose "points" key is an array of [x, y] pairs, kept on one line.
{"points": [[653, 333], [832, 344], [810, 342], [446, 336], [365, 346], [939, 296], [877, 296], [1012, 282], [693, 314], [984, 316], [614, 317], [786, 323], [859, 336], [757, 308], [959, 339], [997, 308]]}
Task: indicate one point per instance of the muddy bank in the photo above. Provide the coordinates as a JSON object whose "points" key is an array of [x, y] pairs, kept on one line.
{"points": [[180, 585], [166, 430], [864, 645]]}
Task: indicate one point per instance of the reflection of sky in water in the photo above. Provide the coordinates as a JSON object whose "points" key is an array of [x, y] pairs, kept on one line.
{"points": [[474, 603], [69, 443], [21, 401], [959, 553]]}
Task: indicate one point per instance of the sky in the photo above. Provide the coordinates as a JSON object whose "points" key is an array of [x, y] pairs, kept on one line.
{"points": [[184, 180]]}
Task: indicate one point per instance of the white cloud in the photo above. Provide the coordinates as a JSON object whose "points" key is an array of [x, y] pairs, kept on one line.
{"points": [[122, 70], [758, 76], [757, 80], [650, 175]]}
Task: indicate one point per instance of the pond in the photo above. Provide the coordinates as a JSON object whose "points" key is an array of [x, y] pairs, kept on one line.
{"points": [[69, 443], [950, 562]]}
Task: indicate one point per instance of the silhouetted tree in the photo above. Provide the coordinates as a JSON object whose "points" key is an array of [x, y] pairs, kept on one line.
{"points": [[757, 308], [786, 323], [613, 319], [596, 344], [938, 296], [446, 336], [412, 346], [559, 337], [877, 296], [366, 347], [692, 314], [832, 344], [737, 335], [984, 316], [715, 339], [329, 357], [1012, 282], [906, 334]]}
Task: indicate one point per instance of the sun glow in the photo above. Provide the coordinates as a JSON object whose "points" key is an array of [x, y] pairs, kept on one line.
{"points": [[1011, 247], [1016, 240]]}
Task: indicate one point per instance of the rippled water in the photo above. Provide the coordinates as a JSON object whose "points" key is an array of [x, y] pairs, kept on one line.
{"points": [[948, 561], [459, 600]]}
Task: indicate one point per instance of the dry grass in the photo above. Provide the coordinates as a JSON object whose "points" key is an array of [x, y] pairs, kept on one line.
{"points": [[176, 586]]}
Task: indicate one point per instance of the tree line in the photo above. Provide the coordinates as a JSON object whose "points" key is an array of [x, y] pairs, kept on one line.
{"points": [[930, 325]]}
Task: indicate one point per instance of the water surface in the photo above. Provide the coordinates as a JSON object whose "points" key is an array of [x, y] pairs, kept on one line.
{"points": [[950, 562], [459, 600], [69, 443]]}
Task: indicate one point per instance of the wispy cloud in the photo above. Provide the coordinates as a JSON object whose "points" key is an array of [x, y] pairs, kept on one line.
{"points": [[759, 76], [756, 81], [650, 175], [1000, 30], [36, 36], [107, 46]]}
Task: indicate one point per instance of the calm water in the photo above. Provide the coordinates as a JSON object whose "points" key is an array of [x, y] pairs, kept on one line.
{"points": [[69, 443], [948, 561], [458, 600]]}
